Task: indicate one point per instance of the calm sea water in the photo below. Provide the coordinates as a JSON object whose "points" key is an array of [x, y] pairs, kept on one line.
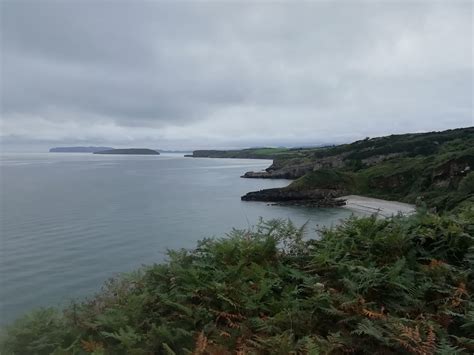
{"points": [[70, 221]]}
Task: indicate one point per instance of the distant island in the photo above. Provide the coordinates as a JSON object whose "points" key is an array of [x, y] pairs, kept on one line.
{"points": [[130, 151], [78, 149]]}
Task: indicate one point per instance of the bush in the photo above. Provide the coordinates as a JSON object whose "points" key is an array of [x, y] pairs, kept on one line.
{"points": [[394, 286], [323, 179], [466, 186]]}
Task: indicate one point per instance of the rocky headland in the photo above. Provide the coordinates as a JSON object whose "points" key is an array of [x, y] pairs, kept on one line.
{"points": [[432, 169], [314, 198]]}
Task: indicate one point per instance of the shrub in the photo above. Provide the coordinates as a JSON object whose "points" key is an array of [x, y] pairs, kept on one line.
{"points": [[393, 286]]}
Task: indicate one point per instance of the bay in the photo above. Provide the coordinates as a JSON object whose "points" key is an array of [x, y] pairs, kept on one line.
{"points": [[70, 221]]}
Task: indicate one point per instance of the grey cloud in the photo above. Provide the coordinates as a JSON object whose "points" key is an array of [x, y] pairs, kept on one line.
{"points": [[178, 73]]}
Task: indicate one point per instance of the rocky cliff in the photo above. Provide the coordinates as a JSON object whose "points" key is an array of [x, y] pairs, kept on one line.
{"points": [[427, 167], [316, 198]]}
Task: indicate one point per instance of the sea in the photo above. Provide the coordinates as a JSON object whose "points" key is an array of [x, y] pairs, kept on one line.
{"points": [[70, 221]]}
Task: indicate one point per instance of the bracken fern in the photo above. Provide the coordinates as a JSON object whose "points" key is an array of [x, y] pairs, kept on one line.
{"points": [[394, 286]]}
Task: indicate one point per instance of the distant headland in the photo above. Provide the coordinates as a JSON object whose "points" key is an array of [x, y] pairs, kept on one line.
{"points": [[78, 149], [131, 151]]}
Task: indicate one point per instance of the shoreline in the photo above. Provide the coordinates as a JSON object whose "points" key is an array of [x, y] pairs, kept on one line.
{"points": [[370, 205]]}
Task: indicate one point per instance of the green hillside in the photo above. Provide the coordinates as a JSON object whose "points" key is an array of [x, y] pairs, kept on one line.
{"points": [[250, 153], [435, 169]]}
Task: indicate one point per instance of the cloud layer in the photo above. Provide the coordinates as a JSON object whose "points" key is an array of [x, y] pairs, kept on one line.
{"points": [[209, 74]]}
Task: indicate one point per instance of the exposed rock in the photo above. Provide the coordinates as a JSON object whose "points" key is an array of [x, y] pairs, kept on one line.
{"points": [[452, 171], [286, 173], [332, 162], [317, 197], [379, 158], [258, 175], [296, 168]]}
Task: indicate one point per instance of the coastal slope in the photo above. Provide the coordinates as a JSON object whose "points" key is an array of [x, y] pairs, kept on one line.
{"points": [[250, 153], [432, 169]]}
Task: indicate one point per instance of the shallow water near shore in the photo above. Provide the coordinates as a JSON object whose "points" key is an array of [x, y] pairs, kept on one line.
{"points": [[70, 221]]}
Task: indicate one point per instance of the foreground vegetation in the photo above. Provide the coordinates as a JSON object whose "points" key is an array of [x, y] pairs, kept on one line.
{"points": [[393, 286]]}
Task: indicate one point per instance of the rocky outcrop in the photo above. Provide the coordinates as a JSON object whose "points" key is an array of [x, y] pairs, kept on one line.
{"points": [[376, 159], [451, 172], [294, 172], [258, 175], [317, 197], [331, 162], [296, 168]]}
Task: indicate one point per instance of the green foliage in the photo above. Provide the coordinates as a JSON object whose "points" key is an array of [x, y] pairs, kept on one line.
{"points": [[423, 168], [393, 286], [442, 179], [407, 145], [40, 332], [251, 153], [324, 179], [466, 186]]}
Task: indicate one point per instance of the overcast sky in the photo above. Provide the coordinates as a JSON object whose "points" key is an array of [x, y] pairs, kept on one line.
{"points": [[231, 74]]}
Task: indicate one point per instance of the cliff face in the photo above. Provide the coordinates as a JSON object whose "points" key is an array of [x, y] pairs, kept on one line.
{"points": [[451, 172], [290, 172], [296, 168], [411, 168]]}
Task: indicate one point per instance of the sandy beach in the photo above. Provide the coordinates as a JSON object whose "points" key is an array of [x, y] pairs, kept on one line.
{"points": [[384, 208]]}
